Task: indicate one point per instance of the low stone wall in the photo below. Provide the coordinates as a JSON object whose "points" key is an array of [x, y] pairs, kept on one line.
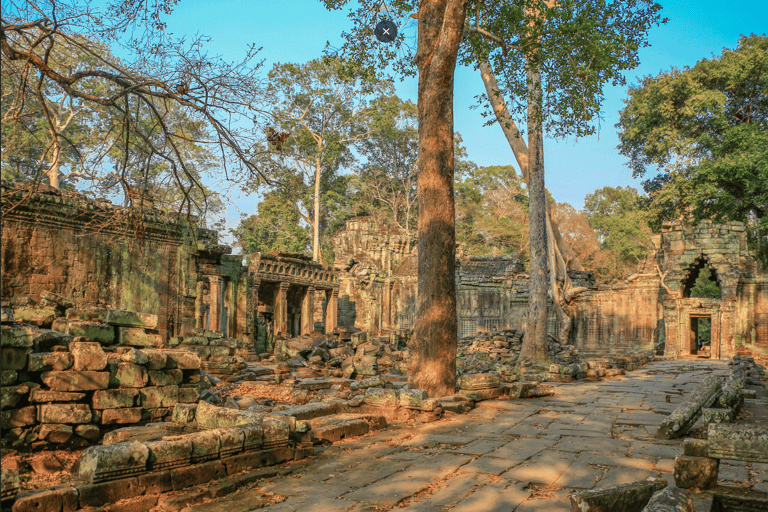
{"points": [[90, 374]]}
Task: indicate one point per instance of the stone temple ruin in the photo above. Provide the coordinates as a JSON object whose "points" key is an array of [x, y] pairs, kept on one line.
{"points": [[122, 334]]}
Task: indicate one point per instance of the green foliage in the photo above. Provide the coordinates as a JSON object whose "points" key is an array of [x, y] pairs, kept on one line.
{"points": [[276, 227], [705, 286], [324, 108], [705, 131], [387, 178], [578, 47], [492, 211], [616, 214]]}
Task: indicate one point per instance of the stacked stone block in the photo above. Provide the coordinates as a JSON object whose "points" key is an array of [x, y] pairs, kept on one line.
{"points": [[219, 355], [86, 378]]}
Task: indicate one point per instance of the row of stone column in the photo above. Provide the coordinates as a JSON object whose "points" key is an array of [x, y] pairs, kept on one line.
{"points": [[307, 308]]}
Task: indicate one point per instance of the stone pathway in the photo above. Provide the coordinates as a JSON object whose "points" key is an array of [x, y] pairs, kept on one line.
{"points": [[505, 455]]}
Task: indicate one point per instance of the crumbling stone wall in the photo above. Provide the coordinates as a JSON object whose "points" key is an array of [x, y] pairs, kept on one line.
{"points": [[740, 316], [96, 254], [378, 284]]}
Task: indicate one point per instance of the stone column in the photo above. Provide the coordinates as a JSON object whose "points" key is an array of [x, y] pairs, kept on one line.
{"points": [[199, 290], [332, 310], [215, 303], [251, 304], [308, 311], [281, 309], [386, 305]]}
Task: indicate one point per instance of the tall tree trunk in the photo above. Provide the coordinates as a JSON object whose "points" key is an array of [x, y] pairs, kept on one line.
{"points": [[54, 170], [433, 359], [535, 345], [316, 225], [561, 257]]}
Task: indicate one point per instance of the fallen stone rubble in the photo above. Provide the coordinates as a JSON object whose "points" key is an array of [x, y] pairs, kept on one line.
{"points": [[75, 377]]}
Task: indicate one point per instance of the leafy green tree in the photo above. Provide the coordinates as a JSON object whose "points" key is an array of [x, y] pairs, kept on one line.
{"points": [[387, 177], [602, 37], [553, 58], [704, 130], [705, 286], [492, 212], [322, 109], [617, 215], [275, 227], [125, 124]]}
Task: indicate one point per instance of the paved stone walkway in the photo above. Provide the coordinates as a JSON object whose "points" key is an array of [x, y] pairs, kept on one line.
{"points": [[505, 455]]}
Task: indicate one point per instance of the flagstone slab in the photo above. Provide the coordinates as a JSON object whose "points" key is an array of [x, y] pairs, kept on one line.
{"points": [[545, 468], [493, 497]]}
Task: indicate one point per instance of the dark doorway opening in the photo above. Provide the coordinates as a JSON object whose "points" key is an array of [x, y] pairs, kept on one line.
{"points": [[701, 335]]}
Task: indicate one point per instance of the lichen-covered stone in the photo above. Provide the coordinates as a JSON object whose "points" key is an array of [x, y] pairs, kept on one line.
{"points": [[131, 319], [153, 397], [127, 375], [168, 453], [8, 377], [738, 441], [88, 355], [9, 483], [670, 500], [104, 334], [20, 337], [710, 415], [382, 397], [132, 355], [695, 447], [475, 381], [90, 314], [630, 497], [181, 359], [413, 398], [110, 462], [76, 381], [700, 472], [184, 413], [138, 337], [115, 398], [47, 361], [42, 317], [686, 414], [165, 377], [64, 413]]}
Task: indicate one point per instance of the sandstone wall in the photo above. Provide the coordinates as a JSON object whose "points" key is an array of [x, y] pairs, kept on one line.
{"points": [[95, 254]]}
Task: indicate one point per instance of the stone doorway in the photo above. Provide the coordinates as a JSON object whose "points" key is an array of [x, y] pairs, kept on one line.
{"points": [[701, 335]]}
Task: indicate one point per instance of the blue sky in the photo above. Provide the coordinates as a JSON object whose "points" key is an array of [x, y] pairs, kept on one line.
{"points": [[297, 31]]}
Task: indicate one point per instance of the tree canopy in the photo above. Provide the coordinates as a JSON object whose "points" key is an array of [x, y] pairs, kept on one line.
{"points": [[704, 132], [148, 113]]}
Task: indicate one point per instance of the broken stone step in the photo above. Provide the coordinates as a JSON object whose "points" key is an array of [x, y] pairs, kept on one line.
{"points": [[740, 442], [686, 414], [630, 497], [343, 426], [670, 500]]}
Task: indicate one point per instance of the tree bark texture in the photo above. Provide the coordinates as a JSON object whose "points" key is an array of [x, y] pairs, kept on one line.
{"points": [[535, 345], [561, 257], [433, 349], [316, 216]]}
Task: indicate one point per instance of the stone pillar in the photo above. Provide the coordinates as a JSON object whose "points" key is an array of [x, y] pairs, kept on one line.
{"points": [[332, 310], [281, 309], [252, 304], [386, 306], [308, 311], [215, 303], [199, 290]]}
